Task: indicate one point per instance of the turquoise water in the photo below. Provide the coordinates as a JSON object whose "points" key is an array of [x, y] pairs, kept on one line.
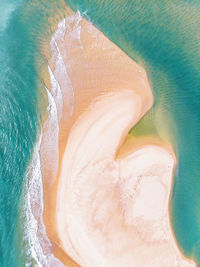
{"points": [[18, 123], [20, 26], [162, 36]]}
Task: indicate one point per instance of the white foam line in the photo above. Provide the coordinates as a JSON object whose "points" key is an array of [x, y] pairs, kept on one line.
{"points": [[38, 245], [56, 93]]}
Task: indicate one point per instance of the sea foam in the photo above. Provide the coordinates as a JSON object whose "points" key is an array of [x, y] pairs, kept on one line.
{"points": [[38, 250], [38, 246]]}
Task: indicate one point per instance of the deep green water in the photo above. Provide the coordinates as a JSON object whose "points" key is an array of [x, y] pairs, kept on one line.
{"points": [[164, 37], [22, 25], [18, 122]]}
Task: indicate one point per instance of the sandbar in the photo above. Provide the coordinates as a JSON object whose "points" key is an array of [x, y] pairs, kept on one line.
{"points": [[105, 198]]}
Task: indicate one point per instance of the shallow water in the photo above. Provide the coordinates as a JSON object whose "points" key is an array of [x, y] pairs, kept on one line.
{"points": [[161, 36]]}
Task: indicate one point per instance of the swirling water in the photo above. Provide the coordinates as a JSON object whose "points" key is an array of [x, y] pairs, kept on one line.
{"points": [[162, 36]]}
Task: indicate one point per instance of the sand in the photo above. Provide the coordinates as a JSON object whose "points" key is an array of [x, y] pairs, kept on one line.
{"points": [[106, 198]]}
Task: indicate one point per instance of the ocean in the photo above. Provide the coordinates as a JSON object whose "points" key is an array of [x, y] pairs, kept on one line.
{"points": [[163, 37]]}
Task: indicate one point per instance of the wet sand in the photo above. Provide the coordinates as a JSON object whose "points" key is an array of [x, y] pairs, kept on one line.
{"points": [[96, 194]]}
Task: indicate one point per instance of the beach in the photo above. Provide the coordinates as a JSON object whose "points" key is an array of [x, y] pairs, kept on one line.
{"points": [[96, 185]]}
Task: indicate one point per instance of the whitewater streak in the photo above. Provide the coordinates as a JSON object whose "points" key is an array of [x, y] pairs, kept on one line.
{"points": [[38, 246]]}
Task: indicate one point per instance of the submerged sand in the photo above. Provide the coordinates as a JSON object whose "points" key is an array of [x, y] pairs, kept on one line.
{"points": [[106, 199]]}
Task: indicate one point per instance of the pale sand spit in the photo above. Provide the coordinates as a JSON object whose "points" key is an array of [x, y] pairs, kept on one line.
{"points": [[103, 207]]}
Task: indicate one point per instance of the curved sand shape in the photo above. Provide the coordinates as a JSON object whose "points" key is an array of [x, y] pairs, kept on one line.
{"points": [[115, 212], [109, 211]]}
